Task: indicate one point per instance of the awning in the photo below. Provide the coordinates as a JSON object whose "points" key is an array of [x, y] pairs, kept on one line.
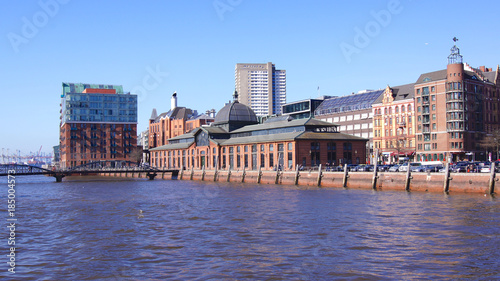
{"points": [[403, 153]]}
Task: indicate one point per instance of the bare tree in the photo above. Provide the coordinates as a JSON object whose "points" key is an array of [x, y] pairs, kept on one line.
{"points": [[492, 142], [136, 155]]}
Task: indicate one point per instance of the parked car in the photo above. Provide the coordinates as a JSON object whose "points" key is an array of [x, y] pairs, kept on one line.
{"points": [[394, 168], [461, 167], [366, 168], [352, 167], [383, 168], [485, 169], [433, 168]]}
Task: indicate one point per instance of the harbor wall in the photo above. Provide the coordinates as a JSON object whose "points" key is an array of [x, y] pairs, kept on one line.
{"points": [[423, 182]]}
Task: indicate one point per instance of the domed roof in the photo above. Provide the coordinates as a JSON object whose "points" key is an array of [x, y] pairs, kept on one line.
{"points": [[236, 112]]}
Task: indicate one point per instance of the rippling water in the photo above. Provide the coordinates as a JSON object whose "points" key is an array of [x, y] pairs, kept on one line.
{"points": [[96, 228]]}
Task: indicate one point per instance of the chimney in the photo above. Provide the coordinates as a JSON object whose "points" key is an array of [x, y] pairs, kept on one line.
{"points": [[173, 101], [482, 68]]}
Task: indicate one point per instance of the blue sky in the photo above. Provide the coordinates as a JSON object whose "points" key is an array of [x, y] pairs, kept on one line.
{"points": [[158, 47]]}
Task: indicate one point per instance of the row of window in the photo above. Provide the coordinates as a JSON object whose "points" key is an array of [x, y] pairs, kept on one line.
{"points": [[388, 110]]}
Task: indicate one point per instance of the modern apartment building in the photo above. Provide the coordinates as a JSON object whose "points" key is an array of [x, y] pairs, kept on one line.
{"points": [[302, 109], [261, 86], [353, 114], [98, 122], [456, 108], [394, 124]]}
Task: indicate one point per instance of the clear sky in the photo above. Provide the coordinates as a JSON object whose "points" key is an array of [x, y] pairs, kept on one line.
{"points": [[154, 48]]}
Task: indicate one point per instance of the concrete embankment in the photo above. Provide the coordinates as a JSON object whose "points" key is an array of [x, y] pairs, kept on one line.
{"points": [[426, 182]]}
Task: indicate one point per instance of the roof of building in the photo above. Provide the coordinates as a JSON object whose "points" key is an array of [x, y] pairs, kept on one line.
{"points": [[177, 113], [154, 114], [235, 112], [399, 93], [490, 76], [441, 75], [432, 76], [201, 117], [348, 103], [182, 145]]}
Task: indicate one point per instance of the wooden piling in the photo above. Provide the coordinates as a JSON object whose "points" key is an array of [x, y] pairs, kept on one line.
{"points": [[446, 187], [320, 175], [375, 172], [408, 178], [192, 173], [215, 173], [277, 178], [228, 173], [243, 174], [203, 173], [491, 183], [297, 175], [259, 175], [346, 175]]}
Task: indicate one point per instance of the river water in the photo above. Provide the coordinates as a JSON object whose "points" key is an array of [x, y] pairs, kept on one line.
{"points": [[91, 228]]}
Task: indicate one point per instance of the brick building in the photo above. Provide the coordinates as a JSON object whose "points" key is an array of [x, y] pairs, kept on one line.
{"points": [[394, 124], [456, 108], [175, 122], [237, 140], [98, 122]]}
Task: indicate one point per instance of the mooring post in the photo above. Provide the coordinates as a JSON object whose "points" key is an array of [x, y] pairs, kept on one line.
{"points": [[259, 175], [163, 174], [446, 187], [346, 175], [297, 175], [215, 173], [228, 173], [276, 180], [192, 172], [320, 175], [375, 172], [408, 178], [203, 173], [243, 174], [491, 184]]}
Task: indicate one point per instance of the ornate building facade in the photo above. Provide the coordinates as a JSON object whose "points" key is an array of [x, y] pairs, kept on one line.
{"points": [[394, 124]]}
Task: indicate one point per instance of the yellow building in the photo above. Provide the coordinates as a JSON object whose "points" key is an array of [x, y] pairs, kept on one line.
{"points": [[394, 124]]}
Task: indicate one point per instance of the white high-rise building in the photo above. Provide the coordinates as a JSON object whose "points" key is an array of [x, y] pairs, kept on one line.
{"points": [[261, 87]]}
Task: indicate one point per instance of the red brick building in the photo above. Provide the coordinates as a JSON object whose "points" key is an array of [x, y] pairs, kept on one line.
{"points": [[98, 122], [456, 108], [237, 140], [175, 122]]}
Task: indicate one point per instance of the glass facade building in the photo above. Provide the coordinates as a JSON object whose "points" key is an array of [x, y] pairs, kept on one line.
{"points": [[98, 123]]}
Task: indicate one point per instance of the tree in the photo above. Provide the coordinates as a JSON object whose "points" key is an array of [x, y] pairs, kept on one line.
{"points": [[136, 155], [492, 141]]}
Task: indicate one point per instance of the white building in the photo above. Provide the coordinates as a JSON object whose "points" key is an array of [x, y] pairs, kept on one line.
{"points": [[261, 87]]}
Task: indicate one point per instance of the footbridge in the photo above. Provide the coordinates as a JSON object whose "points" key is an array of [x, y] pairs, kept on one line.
{"points": [[91, 168]]}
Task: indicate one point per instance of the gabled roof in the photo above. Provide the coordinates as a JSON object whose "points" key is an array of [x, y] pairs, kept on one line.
{"points": [[432, 76], [402, 92]]}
